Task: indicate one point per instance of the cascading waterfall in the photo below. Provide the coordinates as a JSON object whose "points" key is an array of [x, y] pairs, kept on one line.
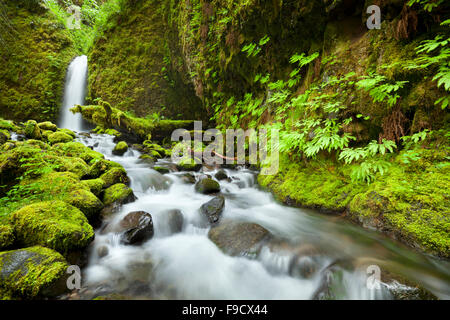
{"points": [[74, 93]]}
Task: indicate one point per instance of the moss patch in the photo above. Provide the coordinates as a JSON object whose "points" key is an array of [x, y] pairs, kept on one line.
{"points": [[34, 272], [53, 224]]}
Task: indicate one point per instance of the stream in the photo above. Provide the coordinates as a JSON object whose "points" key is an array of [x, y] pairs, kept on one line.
{"points": [[309, 255]]}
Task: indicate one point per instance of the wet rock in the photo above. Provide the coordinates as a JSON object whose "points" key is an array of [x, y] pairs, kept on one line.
{"points": [[188, 165], [115, 196], [161, 170], [175, 220], [207, 186], [221, 175], [213, 209], [188, 178], [34, 272], [138, 226], [120, 148], [239, 238], [303, 267], [102, 251], [6, 236], [115, 175]]}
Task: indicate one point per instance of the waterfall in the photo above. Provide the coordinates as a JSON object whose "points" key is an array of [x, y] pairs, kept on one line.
{"points": [[74, 93]]}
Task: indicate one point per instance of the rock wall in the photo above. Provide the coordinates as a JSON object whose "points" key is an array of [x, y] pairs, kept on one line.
{"points": [[35, 51]]}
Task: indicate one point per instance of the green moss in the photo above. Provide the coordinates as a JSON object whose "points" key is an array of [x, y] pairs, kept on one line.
{"points": [[77, 149], [148, 81], [115, 175], [117, 193], [409, 202], [100, 166], [86, 201], [188, 165], [8, 125], [95, 185], [33, 272], [47, 125], [53, 224], [58, 137], [32, 130], [4, 136], [120, 148], [6, 236], [36, 51]]}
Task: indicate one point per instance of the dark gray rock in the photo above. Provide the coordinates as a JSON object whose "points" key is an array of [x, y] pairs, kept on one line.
{"points": [[137, 226], [221, 175], [239, 238], [213, 209]]}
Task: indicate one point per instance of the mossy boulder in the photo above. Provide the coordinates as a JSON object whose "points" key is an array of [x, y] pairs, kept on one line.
{"points": [[115, 175], [4, 136], [34, 272], [207, 186], [6, 236], [77, 149], [76, 166], [188, 165], [120, 148], [100, 166], [86, 201], [8, 125], [162, 170], [53, 224], [95, 185], [45, 134], [47, 125], [67, 131], [32, 130], [58, 137], [118, 194]]}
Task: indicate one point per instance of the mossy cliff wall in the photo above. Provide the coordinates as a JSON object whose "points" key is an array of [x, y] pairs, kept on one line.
{"points": [[35, 51], [137, 66]]}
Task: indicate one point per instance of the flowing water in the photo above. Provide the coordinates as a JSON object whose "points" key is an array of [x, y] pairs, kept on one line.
{"points": [[310, 255], [74, 93]]}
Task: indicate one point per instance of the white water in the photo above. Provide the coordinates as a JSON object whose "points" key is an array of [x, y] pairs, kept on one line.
{"points": [[74, 93], [188, 265]]}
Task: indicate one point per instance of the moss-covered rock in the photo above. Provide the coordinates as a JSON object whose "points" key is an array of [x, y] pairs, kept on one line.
{"points": [[162, 170], [32, 130], [6, 236], [188, 165], [8, 125], [95, 185], [53, 224], [118, 194], [86, 201], [47, 125], [115, 175], [34, 272], [120, 148], [101, 166], [58, 137], [207, 186], [4, 136], [77, 149], [67, 131]]}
